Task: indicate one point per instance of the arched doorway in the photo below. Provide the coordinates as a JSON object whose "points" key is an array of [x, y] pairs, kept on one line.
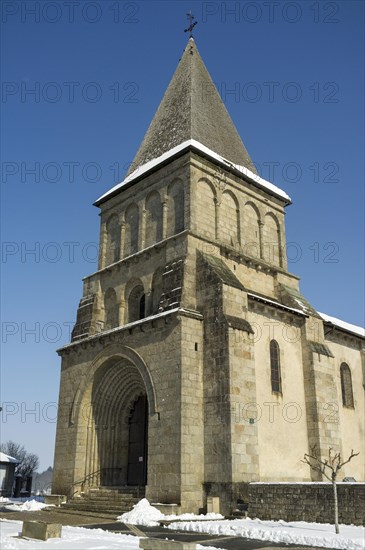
{"points": [[116, 442], [137, 443]]}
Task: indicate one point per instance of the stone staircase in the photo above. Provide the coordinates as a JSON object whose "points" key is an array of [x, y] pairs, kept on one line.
{"points": [[104, 501]]}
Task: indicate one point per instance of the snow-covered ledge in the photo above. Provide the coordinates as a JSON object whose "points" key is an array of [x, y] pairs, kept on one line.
{"points": [[192, 144]]}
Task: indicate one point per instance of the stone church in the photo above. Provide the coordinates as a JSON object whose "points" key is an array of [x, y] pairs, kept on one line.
{"points": [[196, 365]]}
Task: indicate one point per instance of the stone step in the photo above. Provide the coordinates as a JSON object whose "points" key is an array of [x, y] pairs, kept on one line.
{"points": [[116, 510], [100, 506], [104, 514], [108, 500], [111, 495], [238, 514], [118, 490], [113, 501], [101, 495]]}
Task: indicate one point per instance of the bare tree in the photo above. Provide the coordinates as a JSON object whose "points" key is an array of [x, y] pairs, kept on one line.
{"points": [[28, 462], [329, 467], [29, 465]]}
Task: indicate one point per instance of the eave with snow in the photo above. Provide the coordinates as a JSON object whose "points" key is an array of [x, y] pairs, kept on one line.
{"points": [[195, 146], [6, 459], [333, 322]]}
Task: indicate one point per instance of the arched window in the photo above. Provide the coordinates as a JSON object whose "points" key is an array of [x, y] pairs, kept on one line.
{"points": [[271, 240], [251, 231], [175, 211], [229, 219], [136, 304], [346, 386], [206, 219], [153, 219], [142, 306], [113, 240], [131, 230], [275, 367]]}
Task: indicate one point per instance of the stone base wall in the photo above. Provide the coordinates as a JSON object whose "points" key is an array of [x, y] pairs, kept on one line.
{"points": [[230, 494], [307, 502]]}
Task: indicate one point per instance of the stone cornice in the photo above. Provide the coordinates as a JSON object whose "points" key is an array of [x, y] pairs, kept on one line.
{"points": [[129, 327]]}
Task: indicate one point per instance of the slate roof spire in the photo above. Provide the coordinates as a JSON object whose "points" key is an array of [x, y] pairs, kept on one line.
{"points": [[192, 109]]}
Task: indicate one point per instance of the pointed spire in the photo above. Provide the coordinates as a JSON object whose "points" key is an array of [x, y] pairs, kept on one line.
{"points": [[192, 109]]}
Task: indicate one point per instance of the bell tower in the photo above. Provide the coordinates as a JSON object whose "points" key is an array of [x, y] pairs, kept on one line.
{"points": [[165, 357]]}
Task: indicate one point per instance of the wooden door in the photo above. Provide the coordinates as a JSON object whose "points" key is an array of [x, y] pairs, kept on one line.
{"points": [[137, 445]]}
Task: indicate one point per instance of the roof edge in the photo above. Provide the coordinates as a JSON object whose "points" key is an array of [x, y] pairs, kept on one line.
{"points": [[342, 325], [194, 145]]}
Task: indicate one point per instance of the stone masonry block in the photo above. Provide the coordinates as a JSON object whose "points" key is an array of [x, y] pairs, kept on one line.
{"points": [[41, 530], [57, 500]]}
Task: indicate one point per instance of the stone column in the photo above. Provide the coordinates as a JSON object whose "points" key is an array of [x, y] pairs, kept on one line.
{"points": [[142, 229], [102, 245], [122, 312], [148, 302], [216, 204], [164, 218], [282, 243], [261, 251], [238, 226], [122, 235]]}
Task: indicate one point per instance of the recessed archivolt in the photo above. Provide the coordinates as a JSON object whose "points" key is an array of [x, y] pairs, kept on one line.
{"points": [[210, 184], [115, 388], [131, 284], [255, 208], [152, 196], [125, 373], [232, 196], [175, 185], [274, 218]]}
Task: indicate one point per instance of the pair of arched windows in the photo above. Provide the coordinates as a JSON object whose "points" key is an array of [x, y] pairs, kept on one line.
{"points": [[275, 369], [136, 307], [135, 297]]}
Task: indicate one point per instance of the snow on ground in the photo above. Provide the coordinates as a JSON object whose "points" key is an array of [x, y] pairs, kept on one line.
{"points": [[73, 538], [299, 532], [145, 514], [27, 506], [142, 514]]}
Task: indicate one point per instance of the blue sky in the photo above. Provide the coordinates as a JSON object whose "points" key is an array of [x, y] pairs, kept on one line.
{"points": [[292, 77]]}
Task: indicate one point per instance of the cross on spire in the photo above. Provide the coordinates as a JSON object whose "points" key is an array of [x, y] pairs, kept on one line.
{"points": [[190, 28]]}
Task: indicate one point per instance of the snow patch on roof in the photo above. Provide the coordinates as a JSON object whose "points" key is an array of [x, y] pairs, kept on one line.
{"points": [[7, 458], [274, 303], [342, 324], [251, 176]]}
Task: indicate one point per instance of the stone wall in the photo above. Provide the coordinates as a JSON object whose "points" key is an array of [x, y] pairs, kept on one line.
{"points": [[230, 495], [307, 502]]}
